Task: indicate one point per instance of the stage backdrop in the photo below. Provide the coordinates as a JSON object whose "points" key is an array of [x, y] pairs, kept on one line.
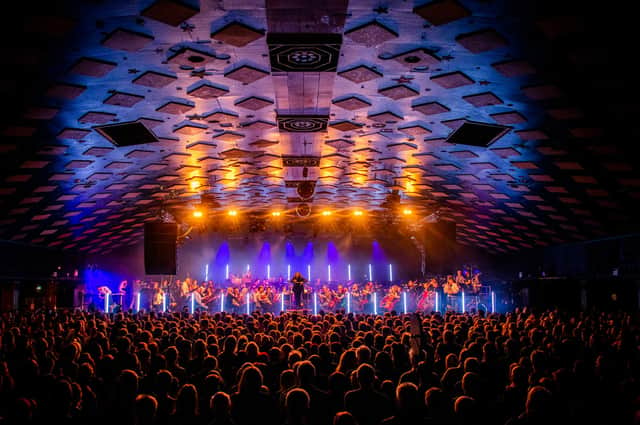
{"points": [[272, 253]]}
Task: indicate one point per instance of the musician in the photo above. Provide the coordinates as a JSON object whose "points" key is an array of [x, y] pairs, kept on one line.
{"points": [[426, 299], [392, 297], [156, 297], [326, 297], [356, 295], [476, 284], [234, 298], [451, 289], [196, 293], [298, 288], [261, 299], [339, 296], [365, 296]]}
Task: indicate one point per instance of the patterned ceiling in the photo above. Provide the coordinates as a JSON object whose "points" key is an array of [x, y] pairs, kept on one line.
{"points": [[251, 98]]}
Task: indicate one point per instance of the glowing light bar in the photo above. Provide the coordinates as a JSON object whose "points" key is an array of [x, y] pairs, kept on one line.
{"points": [[226, 272], [370, 274], [349, 271], [375, 303], [315, 303], [248, 267], [106, 302], [462, 301], [222, 302], [390, 273], [206, 272], [493, 302], [404, 302], [137, 302], [282, 302], [288, 271], [329, 272], [348, 302], [164, 303], [309, 272], [437, 302], [193, 302], [248, 304], [268, 271]]}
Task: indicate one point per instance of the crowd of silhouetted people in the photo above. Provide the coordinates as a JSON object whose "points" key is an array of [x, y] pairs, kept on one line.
{"points": [[74, 367]]}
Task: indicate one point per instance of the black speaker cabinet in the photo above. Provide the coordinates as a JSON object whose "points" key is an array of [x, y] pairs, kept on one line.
{"points": [[439, 239], [160, 248]]}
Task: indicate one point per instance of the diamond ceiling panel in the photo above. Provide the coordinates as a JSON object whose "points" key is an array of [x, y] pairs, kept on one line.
{"points": [[378, 93]]}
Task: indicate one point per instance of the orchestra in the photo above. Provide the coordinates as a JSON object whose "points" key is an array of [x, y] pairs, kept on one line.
{"points": [[274, 295]]}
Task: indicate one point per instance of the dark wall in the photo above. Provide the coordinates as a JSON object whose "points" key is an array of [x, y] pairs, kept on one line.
{"points": [[26, 261], [34, 277]]}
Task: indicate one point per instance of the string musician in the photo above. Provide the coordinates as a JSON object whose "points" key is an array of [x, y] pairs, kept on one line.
{"points": [[325, 297], [339, 296], [451, 290], [365, 296], [233, 298], [426, 299], [356, 295], [392, 297], [262, 299]]}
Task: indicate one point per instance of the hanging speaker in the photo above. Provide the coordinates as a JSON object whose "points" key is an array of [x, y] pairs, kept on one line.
{"points": [[160, 248]]}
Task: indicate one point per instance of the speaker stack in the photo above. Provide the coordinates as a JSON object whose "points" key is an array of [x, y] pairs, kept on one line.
{"points": [[160, 248], [439, 240]]}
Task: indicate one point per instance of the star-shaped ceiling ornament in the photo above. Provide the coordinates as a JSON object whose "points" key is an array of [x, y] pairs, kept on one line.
{"points": [[403, 79], [187, 27], [200, 73]]}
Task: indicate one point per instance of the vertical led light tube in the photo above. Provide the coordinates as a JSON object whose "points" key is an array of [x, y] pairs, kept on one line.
{"points": [[404, 302]]}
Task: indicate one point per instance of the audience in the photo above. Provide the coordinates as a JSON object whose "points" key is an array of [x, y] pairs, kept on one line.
{"points": [[519, 368]]}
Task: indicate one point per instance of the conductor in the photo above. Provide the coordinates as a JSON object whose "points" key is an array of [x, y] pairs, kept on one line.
{"points": [[298, 288]]}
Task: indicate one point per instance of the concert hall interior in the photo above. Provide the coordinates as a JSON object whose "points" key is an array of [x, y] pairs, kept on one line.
{"points": [[319, 212]]}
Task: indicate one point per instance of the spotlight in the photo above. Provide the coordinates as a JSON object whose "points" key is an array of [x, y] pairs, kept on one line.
{"points": [[326, 213], [276, 213], [197, 214], [233, 213], [407, 211], [357, 212]]}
